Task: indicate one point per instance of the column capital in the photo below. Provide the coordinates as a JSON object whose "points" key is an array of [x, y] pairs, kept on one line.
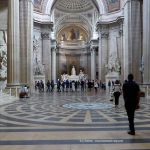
{"points": [[30, 1], [45, 35], [93, 49], [54, 49], [102, 26], [104, 34], [120, 32]]}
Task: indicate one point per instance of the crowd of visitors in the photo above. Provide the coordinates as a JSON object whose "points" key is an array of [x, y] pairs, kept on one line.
{"points": [[66, 86]]}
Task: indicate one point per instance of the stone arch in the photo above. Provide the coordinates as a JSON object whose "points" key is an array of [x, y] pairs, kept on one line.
{"points": [[48, 5]]}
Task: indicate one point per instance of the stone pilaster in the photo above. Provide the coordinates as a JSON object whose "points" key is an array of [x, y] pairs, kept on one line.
{"points": [[54, 64], [93, 64], [13, 57], [103, 54], [121, 50], [132, 38], [102, 50], [46, 48], [146, 40], [26, 41]]}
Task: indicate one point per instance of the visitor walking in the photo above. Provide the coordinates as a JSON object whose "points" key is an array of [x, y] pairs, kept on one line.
{"points": [[117, 92]]}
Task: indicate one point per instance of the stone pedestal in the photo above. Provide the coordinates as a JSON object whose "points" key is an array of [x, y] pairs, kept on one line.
{"points": [[74, 78]]}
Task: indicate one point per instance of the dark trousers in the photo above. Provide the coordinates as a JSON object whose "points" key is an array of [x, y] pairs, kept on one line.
{"points": [[130, 112], [116, 95]]}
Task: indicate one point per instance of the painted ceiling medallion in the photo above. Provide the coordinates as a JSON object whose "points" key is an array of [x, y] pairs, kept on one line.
{"points": [[74, 5]]}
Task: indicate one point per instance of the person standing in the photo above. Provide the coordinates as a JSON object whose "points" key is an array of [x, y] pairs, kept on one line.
{"points": [[52, 85], [109, 85], [96, 85], [131, 92], [117, 92], [48, 86]]}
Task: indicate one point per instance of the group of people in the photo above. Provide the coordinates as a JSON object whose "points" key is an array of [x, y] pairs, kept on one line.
{"points": [[131, 95], [66, 86]]}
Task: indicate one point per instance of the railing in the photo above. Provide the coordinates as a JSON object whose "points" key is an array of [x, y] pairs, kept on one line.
{"points": [[10, 91]]}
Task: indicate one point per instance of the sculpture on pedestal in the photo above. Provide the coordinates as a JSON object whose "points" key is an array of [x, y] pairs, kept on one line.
{"points": [[64, 77], [81, 75], [73, 76], [113, 65]]}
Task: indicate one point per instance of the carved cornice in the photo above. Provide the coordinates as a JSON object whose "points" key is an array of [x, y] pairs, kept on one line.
{"points": [[104, 24]]}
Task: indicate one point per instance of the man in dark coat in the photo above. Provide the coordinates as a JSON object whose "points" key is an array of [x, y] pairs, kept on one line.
{"points": [[130, 93]]}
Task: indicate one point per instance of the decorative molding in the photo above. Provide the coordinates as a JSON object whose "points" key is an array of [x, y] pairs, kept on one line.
{"points": [[41, 18]]}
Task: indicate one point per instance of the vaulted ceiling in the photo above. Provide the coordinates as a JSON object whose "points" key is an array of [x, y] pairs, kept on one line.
{"points": [[79, 13], [76, 6]]}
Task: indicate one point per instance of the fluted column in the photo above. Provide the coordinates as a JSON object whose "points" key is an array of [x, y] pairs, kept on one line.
{"points": [[26, 41], [132, 38], [146, 40], [46, 55], [13, 54], [93, 64], [54, 64]]}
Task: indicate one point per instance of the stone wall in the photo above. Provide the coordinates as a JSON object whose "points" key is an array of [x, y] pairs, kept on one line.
{"points": [[3, 15]]}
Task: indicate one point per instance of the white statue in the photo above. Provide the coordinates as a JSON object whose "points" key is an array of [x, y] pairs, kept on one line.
{"points": [[73, 71], [113, 64], [117, 66], [38, 69], [81, 75], [64, 77]]}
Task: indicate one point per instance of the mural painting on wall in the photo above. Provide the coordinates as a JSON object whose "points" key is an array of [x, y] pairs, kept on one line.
{"points": [[3, 55], [72, 33], [38, 5], [113, 5]]}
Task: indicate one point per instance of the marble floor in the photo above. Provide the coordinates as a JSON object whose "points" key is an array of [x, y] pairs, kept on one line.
{"points": [[72, 121]]}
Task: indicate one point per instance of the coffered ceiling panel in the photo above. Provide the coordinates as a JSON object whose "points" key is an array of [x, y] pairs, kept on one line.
{"points": [[74, 6]]}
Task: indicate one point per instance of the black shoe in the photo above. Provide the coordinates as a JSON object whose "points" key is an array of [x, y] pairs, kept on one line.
{"points": [[131, 132]]}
